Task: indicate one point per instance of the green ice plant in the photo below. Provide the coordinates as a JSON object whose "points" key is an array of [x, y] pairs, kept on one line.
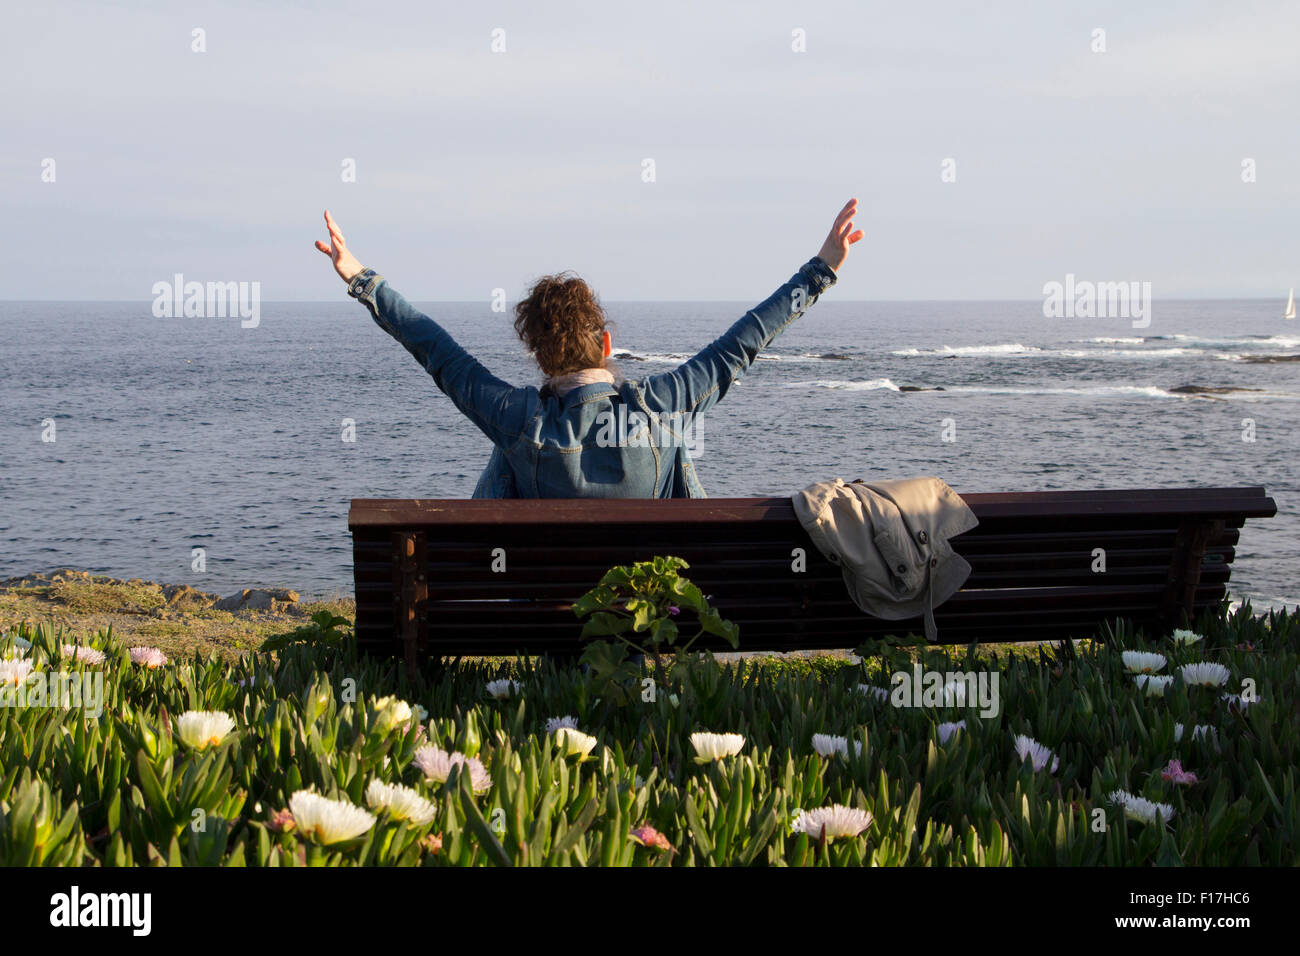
{"points": [[35, 830], [640, 605], [325, 629], [198, 762]]}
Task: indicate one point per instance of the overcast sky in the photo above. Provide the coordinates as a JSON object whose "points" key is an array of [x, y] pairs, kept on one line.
{"points": [[477, 170]]}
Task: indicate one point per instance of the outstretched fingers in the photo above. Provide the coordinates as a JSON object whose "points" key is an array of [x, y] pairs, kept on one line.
{"points": [[336, 234], [845, 214]]}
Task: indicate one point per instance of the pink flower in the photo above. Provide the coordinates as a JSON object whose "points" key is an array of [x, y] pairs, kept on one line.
{"points": [[1176, 774], [282, 820], [147, 657], [86, 655], [647, 835]]}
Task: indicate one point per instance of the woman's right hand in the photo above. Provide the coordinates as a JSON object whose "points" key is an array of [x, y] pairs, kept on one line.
{"points": [[836, 247], [345, 263]]}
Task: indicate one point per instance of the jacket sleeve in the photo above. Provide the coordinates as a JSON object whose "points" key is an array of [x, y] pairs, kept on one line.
{"points": [[496, 407], [703, 380]]}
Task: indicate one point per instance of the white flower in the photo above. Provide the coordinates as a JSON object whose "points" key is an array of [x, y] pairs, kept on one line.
{"points": [[503, 687], [20, 648], [574, 742], [1140, 808], [831, 822], [15, 672], [392, 713], [955, 691], [1182, 636], [879, 693], [947, 730], [716, 746], [328, 821], [1205, 674], [828, 745], [1143, 662], [1028, 748], [200, 729], [86, 655], [555, 723], [1155, 686], [1200, 731], [147, 656], [435, 763], [402, 803], [421, 713]]}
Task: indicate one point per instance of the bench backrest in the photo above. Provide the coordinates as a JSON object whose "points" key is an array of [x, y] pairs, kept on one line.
{"points": [[445, 577]]}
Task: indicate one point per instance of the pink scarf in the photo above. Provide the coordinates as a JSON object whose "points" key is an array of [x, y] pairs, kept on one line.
{"points": [[563, 384]]}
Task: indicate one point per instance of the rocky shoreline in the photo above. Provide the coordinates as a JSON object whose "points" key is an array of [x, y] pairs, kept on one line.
{"points": [[176, 596], [175, 617]]}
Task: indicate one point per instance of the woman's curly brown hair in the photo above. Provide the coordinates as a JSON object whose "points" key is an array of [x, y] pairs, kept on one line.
{"points": [[561, 322]]}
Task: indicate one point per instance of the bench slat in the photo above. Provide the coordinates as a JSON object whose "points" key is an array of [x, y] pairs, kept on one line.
{"points": [[568, 512], [1169, 551]]}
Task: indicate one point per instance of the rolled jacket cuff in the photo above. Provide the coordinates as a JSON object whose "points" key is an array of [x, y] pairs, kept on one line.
{"points": [[822, 275], [363, 285]]}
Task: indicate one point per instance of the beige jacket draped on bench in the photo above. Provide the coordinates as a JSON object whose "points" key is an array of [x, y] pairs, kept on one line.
{"points": [[891, 540]]}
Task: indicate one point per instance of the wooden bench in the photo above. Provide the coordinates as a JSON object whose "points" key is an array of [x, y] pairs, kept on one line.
{"points": [[426, 583]]}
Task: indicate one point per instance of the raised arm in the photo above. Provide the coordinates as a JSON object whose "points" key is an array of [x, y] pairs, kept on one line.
{"points": [[496, 407], [703, 380]]}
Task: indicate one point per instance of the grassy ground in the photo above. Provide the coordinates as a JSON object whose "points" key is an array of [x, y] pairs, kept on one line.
{"points": [[179, 620], [482, 781]]}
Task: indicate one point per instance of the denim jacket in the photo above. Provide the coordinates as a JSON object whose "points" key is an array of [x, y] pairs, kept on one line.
{"points": [[631, 439]]}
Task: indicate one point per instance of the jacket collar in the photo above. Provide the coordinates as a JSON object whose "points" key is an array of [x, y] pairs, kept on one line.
{"points": [[585, 393]]}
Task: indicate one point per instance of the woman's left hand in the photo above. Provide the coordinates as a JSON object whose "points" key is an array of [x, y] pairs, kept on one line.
{"points": [[345, 263], [836, 247]]}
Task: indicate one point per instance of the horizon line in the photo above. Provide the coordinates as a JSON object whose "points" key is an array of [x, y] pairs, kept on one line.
{"points": [[1173, 298]]}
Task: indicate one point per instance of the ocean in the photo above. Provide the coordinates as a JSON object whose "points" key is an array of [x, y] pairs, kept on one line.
{"points": [[181, 433]]}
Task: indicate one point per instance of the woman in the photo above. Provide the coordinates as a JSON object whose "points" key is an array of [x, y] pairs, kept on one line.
{"points": [[587, 433]]}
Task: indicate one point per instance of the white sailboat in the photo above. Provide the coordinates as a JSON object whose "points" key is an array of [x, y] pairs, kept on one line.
{"points": [[1290, 306]]}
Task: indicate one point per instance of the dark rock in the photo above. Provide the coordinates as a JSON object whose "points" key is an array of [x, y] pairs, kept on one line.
{"points": [[1269, 359], [1211, 389], [258, 599]]}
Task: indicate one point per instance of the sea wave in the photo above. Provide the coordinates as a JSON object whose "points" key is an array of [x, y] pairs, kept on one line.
{"points": [[671, 358], [676, 358], [1186, 392], [1178, 345], [1019, 350], [1005, 348], [1254, 341], [868, 385], [1122, 391], [1148, 353]]}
